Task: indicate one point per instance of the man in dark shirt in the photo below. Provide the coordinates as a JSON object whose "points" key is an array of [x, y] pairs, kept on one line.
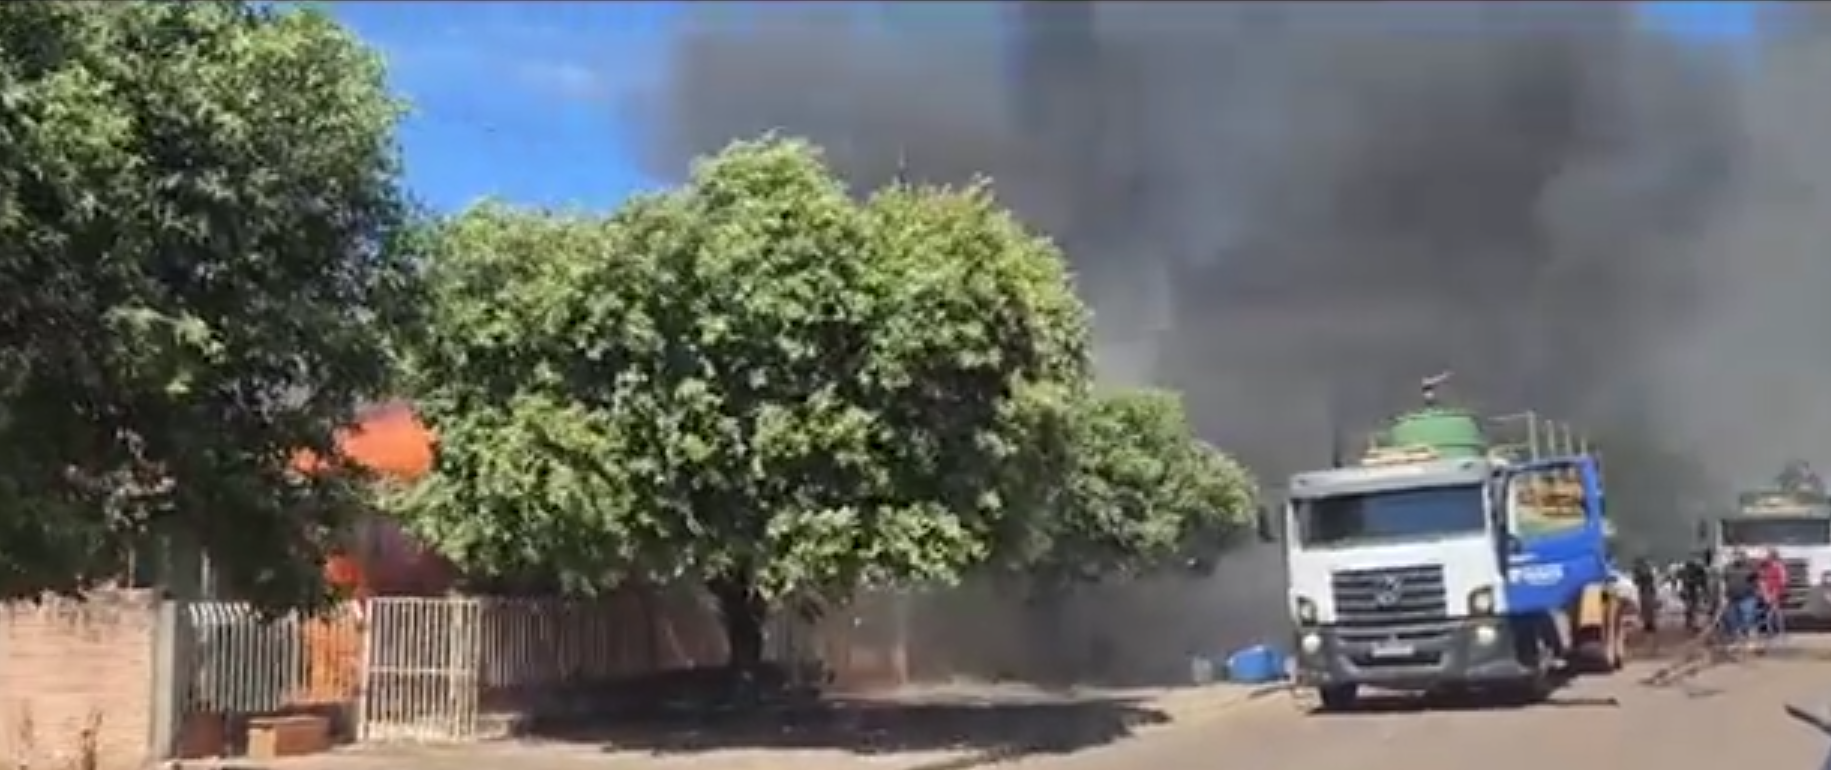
{"points": [[1741, 592], [1694, 589]]}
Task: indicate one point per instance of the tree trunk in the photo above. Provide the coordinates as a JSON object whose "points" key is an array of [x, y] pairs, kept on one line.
{"points": [[742, 611]]}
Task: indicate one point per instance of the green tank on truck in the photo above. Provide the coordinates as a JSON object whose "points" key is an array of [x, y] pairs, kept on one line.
{"points": [[1452, 433], [1448, 433], [1442, 558]]}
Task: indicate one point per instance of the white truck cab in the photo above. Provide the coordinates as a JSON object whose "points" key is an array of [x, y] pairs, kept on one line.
{"points": [[1794, 525], [1394, 576], [1442, 560]]}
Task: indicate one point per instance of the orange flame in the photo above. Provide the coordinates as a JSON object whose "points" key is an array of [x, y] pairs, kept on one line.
{"points": [[390, 441]]}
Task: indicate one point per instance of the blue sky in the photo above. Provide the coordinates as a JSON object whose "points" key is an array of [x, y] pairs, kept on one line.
{"points": [[517, 100]]}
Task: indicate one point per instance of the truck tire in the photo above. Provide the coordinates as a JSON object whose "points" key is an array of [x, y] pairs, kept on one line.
{"points": [[1526, 692], [1538, 687], [1617, 643], [1339, 697], [1603, 650]]}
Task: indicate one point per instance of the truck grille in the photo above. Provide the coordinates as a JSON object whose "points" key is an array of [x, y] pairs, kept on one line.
{"points": [[1397, 596], [1798, 584]]}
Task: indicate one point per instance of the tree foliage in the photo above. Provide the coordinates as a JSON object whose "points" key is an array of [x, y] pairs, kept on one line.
{"points": [[195, 203], [1142, 494], [755, 380], [763, 383]]}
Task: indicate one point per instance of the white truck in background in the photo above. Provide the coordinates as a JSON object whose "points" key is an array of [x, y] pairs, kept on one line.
{"points": [[1794, 522]]}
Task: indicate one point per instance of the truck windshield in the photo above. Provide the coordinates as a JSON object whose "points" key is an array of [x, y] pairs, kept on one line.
{"points": [[1396, 515], [1777, 531]]}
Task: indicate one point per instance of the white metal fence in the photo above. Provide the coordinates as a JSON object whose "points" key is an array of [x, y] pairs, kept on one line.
{"points": [[436, 669], [420, 669], [241, 664], [440, 669], [233, 665]]}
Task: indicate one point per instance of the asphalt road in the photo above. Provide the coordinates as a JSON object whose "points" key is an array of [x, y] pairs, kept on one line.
{"points": [[1727, 716]]}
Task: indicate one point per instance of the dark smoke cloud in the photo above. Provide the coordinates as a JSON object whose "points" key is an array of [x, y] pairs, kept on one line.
{"points": [[1758, 353], [1278, 207]]}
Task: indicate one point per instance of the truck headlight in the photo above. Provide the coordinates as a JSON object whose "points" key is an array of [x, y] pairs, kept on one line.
{"points": [[1310, 644], [1306, 611], [1481, 601]]}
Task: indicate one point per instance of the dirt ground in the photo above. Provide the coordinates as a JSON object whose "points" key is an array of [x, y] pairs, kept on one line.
{"points": [[1616, 720], [1728, 715], [931, 728]]}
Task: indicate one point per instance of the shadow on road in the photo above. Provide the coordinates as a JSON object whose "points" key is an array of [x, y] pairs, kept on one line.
{"points": [[877, 728], [677, 717], [1471, 700]]}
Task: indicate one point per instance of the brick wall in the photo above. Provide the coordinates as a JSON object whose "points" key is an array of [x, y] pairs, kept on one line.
{"points": [[67, 666]]}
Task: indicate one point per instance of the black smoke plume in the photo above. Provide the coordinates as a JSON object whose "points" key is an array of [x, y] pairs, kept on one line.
{"points": [[1288, 210]]}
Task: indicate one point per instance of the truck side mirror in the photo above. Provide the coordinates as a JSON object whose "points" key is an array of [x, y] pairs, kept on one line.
{"points": [[1263, 526], [1703, 533]]}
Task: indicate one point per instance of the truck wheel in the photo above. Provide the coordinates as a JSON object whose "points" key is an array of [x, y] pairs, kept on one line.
{"points": [[1617, 646], [1603, 650], [1595, 651], [1539, 686], [1536, 657], [1338, 697], [1526, 692]]}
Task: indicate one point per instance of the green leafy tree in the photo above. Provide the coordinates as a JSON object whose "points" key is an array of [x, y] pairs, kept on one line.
{"points": [[755, 381], [1143, 495], [1136, 494], [196, 201]]}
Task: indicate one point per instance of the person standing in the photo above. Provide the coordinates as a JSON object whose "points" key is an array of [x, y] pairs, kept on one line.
{"points": [[1742, 598], [1646, 585], [1694, 590], [1772, 579]]}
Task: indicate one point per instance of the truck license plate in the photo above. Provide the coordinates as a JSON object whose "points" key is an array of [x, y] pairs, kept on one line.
{"points": [[1394, 650]]}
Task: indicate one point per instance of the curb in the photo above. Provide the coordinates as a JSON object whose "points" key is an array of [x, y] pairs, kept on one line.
{"points": [[1188, 718]]}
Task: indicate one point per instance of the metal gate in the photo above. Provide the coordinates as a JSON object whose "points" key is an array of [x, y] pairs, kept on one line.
{"points": [[422, 657], [236, 665]]}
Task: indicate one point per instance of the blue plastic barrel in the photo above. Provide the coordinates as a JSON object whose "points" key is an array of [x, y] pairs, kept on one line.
{"points": [[1258, 664]]}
